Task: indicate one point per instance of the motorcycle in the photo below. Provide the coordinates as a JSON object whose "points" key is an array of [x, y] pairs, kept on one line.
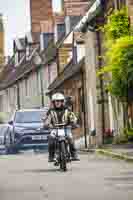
{"points": [[62, 151]]}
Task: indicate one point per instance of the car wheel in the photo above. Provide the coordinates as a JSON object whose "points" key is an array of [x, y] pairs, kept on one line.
{"points": [[8, 150], [11, 150]]}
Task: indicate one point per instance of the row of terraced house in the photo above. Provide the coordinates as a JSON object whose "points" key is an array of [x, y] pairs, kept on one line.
{"points": [[62, 53]]}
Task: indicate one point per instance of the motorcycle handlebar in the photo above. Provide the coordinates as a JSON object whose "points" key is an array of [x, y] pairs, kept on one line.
{"points": [[61, 126]]}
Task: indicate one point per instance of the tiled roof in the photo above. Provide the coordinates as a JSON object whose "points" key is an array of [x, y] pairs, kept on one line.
{"points": [[69, 71], [49, 53], [11, 74]]}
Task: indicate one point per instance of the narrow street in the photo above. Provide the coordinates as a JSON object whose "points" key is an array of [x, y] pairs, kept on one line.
{"points": [[28, 176]]}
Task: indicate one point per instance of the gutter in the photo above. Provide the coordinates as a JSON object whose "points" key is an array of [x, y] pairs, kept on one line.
{"points": [[92, 12]]}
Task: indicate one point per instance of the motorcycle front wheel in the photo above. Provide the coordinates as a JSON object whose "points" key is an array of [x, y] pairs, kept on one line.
{"points": [[63, 159]]}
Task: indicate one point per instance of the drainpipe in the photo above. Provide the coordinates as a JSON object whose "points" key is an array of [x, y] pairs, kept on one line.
{"points": [[85, 131], [42, 93], [101, 84], [18, 96]]}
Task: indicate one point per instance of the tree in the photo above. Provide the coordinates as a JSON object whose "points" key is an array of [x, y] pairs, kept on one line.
{"points": [[119, 57]]}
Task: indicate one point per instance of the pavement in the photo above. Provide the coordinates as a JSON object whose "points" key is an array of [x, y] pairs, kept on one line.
{"points": [[122, 151], [29, 176]]}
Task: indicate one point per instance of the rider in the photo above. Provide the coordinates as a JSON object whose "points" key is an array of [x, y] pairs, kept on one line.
{"points": [[59, 114]]}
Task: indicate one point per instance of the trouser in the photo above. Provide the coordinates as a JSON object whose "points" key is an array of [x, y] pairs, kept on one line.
{"points": [[52, 145]]}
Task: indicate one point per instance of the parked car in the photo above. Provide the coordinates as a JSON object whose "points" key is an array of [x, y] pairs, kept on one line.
{"points": [[26, 131]]}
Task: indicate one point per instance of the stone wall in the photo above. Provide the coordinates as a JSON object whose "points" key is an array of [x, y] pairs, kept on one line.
{"points": [[93, 110]]}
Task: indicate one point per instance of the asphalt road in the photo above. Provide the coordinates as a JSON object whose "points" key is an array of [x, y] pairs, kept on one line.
{"points": [[29, 177]]}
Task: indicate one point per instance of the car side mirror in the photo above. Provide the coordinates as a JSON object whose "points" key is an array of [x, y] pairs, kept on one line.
{"points": [[10, 122]]}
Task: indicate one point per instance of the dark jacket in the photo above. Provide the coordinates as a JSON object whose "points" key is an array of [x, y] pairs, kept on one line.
{"points": [[59, 116]]}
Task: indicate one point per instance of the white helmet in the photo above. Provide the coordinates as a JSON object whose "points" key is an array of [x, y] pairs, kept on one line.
{"points": [[57, 97]]}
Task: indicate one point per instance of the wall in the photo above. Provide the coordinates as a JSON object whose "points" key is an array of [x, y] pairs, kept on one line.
{"points": [[31, 89], [8, 101], [52, 70], [93, 110]]}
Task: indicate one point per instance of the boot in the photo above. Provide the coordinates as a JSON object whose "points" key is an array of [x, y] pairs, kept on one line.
{"points": [[51, 150], [51, 158]]}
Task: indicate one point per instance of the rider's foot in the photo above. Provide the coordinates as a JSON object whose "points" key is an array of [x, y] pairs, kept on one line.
{"points": [[75, 158], [50, 160]]}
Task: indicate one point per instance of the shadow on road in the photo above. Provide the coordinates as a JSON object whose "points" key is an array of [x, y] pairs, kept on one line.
{"points": [[41, 170]]}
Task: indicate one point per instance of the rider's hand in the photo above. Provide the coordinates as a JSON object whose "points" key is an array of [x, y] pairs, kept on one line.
{"points": [[50, 126]]}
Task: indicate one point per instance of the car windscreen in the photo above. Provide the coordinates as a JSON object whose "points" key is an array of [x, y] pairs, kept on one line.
{"points": [[29, 116]]}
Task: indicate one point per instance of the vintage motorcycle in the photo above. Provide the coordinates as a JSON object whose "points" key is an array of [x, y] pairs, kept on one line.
{"points": [[62, 150]]}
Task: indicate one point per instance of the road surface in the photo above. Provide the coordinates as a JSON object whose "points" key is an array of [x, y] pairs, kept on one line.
{"points": [[28, 176]]}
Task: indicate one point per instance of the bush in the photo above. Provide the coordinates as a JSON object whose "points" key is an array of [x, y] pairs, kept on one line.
{"points": [[129, 134], [118, 25], [119, 55], [120, 64], [3, 117]]}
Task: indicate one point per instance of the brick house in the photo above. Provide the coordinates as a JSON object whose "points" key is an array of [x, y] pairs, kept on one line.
{"points": [[25, 79], [100, 115], [41, 14]]}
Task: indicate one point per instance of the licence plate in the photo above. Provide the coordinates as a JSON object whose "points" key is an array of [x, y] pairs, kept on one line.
{"points": [[61, 133], [39, 137]]}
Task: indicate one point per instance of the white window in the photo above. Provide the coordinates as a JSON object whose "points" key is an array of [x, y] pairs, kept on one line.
{"points": [[80, 51], [16, 59], [27, 52]]}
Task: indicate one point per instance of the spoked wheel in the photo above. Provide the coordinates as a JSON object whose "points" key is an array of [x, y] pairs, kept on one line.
{"points": [[63, 159]]}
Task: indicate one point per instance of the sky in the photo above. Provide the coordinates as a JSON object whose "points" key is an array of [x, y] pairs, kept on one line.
{"points": [[16, 15]]}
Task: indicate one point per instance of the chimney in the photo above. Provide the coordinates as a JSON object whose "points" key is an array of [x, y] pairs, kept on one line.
{"points": [[40, 10], [75, 7]]}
